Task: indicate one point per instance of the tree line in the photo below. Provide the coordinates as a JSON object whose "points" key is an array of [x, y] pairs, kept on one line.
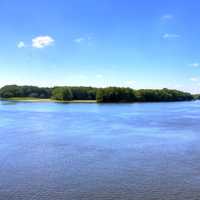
{"points": [[114, 94], [101, 95], [10, 91]]}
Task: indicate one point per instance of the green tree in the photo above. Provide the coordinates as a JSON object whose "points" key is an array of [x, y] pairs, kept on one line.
{"points": [[115, 94], [9, 91], [62, 93]]}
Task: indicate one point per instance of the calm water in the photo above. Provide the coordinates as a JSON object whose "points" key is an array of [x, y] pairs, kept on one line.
{"points": [[52, 151]]}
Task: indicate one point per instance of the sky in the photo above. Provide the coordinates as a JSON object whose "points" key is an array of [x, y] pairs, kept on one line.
{"points": [[129, 43]]}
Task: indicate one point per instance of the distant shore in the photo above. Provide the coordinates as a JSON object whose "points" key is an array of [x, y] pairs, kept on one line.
{"points": [[30, 99], [81, 94]]}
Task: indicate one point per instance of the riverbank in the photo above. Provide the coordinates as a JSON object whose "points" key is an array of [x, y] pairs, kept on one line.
{"points": [[39, 100], [101, 95], [30, 99]]}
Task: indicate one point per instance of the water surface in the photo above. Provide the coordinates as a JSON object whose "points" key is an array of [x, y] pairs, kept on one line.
{"points": [[54, 151]]}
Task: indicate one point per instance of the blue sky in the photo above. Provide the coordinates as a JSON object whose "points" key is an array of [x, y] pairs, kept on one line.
{"points": [[140, 44]]}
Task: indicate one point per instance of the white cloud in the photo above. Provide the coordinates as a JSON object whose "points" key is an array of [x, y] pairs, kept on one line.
{"points": [[21, 44], [195, 64], [79, 40], [194, 79], [42, 41], [170, 36], [167, 17]]}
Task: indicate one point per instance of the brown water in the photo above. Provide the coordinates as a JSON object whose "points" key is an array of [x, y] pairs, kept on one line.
{"points": [[52, 151]]}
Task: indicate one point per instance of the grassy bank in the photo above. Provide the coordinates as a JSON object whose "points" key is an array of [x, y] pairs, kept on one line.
{"points": [[31, 99]]}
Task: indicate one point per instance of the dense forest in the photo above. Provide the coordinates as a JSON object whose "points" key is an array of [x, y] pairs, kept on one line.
{"points": [[10, 91], [101, 95], [196, 96]]}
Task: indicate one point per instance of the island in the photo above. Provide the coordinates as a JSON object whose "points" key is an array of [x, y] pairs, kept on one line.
{"points": [[92, 94]]}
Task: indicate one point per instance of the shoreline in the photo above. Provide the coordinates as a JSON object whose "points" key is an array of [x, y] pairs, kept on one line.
{"points": [[38, 100], [19, 99]]}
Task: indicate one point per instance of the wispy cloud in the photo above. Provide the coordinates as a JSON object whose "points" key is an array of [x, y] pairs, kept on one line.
{"points": [[167, 17], [195, 64], [170, 36], [79, 40], [194, 79], [87, 40], [42, 41], [21, 44], [130, 83]]}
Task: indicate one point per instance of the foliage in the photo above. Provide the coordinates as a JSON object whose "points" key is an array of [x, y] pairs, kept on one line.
{"points": [[10, 91], [164, 95], [83, 93], [62, 93], [109, 94], [115, 94], [196, 96]]}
